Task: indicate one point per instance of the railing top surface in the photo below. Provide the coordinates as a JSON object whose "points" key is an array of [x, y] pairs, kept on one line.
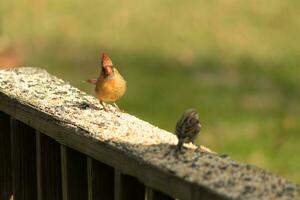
{"points": [[71, 109]]}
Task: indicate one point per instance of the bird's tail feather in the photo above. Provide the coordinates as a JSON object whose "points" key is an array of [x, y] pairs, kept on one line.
{"points": [[92, 81]]}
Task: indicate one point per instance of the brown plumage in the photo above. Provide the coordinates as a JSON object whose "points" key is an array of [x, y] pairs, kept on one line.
{"points": [[110, 85], [187, 127]]}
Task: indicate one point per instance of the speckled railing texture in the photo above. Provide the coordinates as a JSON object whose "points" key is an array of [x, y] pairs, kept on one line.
{"points": [[221, 174]]}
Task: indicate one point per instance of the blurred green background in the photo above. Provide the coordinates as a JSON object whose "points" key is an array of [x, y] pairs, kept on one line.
{"points": [[237, 62]]}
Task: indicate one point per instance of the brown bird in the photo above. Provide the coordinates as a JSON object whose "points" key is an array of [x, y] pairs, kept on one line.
{"points": [[110, 85], [187, 127]]}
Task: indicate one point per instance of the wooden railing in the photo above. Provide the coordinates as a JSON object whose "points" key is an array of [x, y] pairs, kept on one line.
{"points": [[46, 153]]}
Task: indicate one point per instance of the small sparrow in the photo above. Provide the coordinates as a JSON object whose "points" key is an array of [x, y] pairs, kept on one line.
{"points": [[187, 128], [110, 85]]}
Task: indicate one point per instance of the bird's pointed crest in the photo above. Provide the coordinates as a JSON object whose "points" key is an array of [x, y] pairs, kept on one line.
{"points": [[106, 61]]}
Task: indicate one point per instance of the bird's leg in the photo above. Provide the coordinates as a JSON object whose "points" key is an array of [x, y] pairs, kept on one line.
{"points": [[178, 149], [198, 149], [104, 107], [179, 146], [117, 107]]}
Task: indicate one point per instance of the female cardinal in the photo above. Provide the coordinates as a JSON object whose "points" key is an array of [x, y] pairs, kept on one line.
{"points": [[110, 85], [188, 127]]}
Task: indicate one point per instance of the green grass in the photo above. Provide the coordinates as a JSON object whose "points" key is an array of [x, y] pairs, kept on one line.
{"points": [[237, 62]]}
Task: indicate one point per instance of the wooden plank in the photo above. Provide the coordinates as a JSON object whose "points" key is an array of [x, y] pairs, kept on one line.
{"points": [[23, 151], [100, 180], [48, 168], [101, 151], [5, 158], [74, 175], [152, 194], [131, 188]]}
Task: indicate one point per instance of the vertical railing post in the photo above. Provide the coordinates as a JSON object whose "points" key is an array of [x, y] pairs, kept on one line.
{"points": [[5, 157], [23, 157], [39, 166], [74, 174], [128, 187], [152, 194], [117, 184], [64, 176], [100, 180], [89, 177], [48, 168]]}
